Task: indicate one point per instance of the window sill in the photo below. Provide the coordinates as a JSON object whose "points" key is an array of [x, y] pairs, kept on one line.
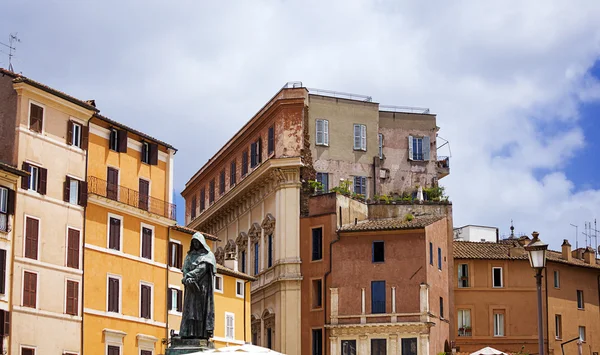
{"points": [[316, 309], [175, 313], [497, 286], [218, 291], [360, 150], [580, 309], [323, 145], [239, 296], [317, 260]]}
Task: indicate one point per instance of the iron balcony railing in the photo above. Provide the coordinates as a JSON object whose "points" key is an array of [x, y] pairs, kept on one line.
{"points": [[130, 197]]}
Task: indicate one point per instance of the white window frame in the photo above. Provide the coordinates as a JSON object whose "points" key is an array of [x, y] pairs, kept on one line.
{"points": [[362, 137], [324, 141], [558, 326], [120, 346], [499, 331], [114, 276], [232, 316], [147, 156], [174, 291], [71, 180], [34, 178], [582, 300], [3, 199], [37, 287], [39, 251], [151, 285], [152, 240], [243, 288], [501, 277], [78, 297], [76, 137], [110, 147], [380, 139], [28, 347], [581, 331], [43, 116], [218, 290], [116, 216], [556, 279], [461, 318], [363, 184], [170, 251], [459, 276]]}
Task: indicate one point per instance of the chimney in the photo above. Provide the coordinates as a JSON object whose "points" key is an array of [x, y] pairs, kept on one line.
{"points": [[566, 250], [231, 261], [589, 255], [524, 240]]}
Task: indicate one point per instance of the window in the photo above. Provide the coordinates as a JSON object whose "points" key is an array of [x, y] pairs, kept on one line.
{"points": [[229, 325], [377, 297], [271, 141], [243, 261], [322, 132], [232, 174], [498, 324], [440, 258], [219, 283], [497, 277], [36, 117], [348, 347], [239, 288], [256, 258], [175, 255], [73, 236], [202, 199], [558, 326], [222, 182], [360, 137], [317, 293], [193, 207], [145, 153], [2, 274], [256, 153], [114, 233], [464, 322], [146, 251], [118, 141], [36, 181], [3, 200], [114, 295], [113, 350], [74, 134], [378, 347], [380, 136], [360, 185], [317, 342], [149, 153], [144, 194], [556, 279], [463, 275], [146, 301], [145, 352], [72, 301], [580, 302], [4, 323], [378, 252], [32, 232], [441, 308], [211, 191], [7, 200], [269, 335], [582, 333], [175, 300], [31, 351], [29, 289], [270, 250], [245, 163], [323, 179], [112, 184], [317, 243], [418, 148], [430, 253], [75, 191]]}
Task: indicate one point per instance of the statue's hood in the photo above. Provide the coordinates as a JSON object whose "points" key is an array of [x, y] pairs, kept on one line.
{"points": [[209, 257]]}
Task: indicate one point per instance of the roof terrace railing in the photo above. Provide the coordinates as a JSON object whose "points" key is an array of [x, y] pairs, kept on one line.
{"points": [[130, 197], [403, 109], [341, 95]]}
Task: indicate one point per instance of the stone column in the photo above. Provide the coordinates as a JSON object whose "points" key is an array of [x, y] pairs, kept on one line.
{"points": [[423, 344], [333, 341], [393, 348], [424, 302], [363, 345], [334, 305], [363, 319], [394, 317]]}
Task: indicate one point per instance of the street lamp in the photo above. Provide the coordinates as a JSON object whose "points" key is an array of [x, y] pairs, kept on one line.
{"points": [[537, 259]]}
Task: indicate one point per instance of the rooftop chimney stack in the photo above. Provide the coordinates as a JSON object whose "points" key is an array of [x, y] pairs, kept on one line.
{"points": [[589, 256], [566, 250]]}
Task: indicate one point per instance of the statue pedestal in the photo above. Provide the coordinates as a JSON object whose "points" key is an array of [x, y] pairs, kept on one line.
{"points": [[186, 346]]}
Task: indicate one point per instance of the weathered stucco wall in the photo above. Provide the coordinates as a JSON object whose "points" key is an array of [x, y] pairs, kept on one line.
{"points": [[8, 118]]}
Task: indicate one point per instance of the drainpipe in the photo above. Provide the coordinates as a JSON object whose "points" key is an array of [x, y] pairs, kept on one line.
{"points": [[374, 177], [245, 283], [168, 293], [325, 281], [87, 157], [547, 308]]}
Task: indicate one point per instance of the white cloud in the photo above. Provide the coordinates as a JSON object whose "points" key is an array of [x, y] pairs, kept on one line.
{"points": [[495, 73]]}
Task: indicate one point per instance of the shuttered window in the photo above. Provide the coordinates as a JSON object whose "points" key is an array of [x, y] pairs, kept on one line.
{"points": [[114, 234], [270, 250], [4, 323], [146, 243], [245, 163], [323, 179], [360, 137], [146, 301], [31, 237], [193, 207], [271, 141], [322, 133], [418, 148], [222, 182], [149, 153], [202, 199], [211, 191], [72, 302], [232, 174], [74, 134], [118, 140], [29, 289], [256, 153], [317, 244], [144, 194], [113, 294], [175, 299], [360, 185], [229, 325], [145, 352], [75, 191], [36, 118], [175, 255], [317, 342], [2, 271], [73, 248], [113, 350], [37, 179], [112, 183]]}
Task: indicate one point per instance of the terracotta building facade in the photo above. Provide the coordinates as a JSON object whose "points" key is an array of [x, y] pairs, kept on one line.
{"points": [[496, 302]]}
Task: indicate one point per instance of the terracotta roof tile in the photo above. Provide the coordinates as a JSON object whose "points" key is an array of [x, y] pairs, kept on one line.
{"points": [[193, 231], [240, 275], [502, 250], [390, 224]]}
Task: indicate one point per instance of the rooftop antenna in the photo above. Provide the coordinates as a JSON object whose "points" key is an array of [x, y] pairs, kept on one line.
{"points": [[512, 230], [576, 241], [12, 39]]}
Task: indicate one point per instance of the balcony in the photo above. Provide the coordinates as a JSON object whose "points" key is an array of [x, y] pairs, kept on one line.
{"points": [[443, 167], [130, 197]]}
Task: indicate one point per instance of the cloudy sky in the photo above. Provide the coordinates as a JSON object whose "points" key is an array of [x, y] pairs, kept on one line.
{"points": [[515, 86]]}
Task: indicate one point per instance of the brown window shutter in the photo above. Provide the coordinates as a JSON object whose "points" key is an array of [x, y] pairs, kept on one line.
{"points": [[10, 208], [5, 323], [144, 148], [179, 256], [179, 300], [114, 234], [72, 297], [25, 179], [259, 150], [153, 153], [85, 133], [169, 298], [67, 189], [145, 301], [2, 271], [70, 132], [73, 249], [146, 243], [83, 193], [43, 181], [122, 136], [31, 238], [170, 253], [29, 289]]}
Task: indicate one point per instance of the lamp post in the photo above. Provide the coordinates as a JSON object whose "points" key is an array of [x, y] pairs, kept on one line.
{"points": [[537, 259]]}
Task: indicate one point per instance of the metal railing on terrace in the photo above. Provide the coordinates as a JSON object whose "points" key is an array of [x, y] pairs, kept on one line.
{"points": [[340, 95], [403, 109], [133, 198]]}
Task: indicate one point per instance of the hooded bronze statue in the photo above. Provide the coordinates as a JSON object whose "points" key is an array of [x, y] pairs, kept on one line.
{"points": [[199, 269]]}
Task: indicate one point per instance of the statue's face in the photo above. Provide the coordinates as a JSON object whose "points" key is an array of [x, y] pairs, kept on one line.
{"points": [[196, 244]]}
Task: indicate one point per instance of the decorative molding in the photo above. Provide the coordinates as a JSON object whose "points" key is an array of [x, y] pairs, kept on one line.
{"points": [[124, 317], [268, 224], [33, 262], [113, 336], [254, 232], [341, 330], [131, 143], [242, 241], [43, 313], [47, 198], [133, 211], [73, 149], [220, 255], [124, 255], [230, 248]]}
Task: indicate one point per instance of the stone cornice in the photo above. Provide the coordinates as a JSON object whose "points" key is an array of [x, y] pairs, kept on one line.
{"points": [[378, 328]]}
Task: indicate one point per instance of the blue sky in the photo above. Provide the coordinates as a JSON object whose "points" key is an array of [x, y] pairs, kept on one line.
{"points": [[514, 84]]}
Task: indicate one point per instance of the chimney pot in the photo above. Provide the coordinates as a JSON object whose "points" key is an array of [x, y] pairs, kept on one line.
{"points": [[566, 251], [589, 255]]}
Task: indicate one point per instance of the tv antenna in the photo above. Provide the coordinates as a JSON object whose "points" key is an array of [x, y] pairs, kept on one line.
{"points": [[12, 40]]}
